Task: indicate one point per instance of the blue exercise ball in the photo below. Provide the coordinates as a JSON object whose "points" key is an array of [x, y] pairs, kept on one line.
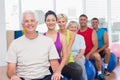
{"points": [[102, 67], [90, 70], [112, 62], [66, 78]]}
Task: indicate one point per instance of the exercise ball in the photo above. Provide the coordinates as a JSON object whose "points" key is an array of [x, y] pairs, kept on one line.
{"points": [[102, 67], [112, 62], [90, 70]]}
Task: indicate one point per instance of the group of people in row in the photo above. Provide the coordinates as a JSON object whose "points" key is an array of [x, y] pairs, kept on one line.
{"points": [[57, 54]]}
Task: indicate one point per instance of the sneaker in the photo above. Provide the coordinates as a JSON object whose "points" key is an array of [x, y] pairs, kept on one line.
{"points": [[101, 77], [106, 72]]}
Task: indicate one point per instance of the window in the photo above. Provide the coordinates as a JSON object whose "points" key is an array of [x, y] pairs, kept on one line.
{"points": [[12, 14], [115, 15], [97, 8], [41, 7], [73, 9]]}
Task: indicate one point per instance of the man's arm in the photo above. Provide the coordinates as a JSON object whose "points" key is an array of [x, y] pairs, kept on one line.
{"points": [[11, 71], [54, 64], [95, 44], [106, 42], [56, 74], [53, 58], [12, 60]]}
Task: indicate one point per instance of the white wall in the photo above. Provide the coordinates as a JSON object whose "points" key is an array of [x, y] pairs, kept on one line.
{"points": [[3, 50]]}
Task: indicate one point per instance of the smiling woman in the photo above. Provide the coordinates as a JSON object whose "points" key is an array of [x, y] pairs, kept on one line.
{"points": [[11, 11]]}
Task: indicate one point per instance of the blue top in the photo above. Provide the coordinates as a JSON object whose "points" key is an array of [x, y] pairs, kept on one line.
{"points": [[78, 44], [100, 34]]}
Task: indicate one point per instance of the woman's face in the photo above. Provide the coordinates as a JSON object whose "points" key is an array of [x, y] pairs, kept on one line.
{"points": [[62, 23], [51, 21], [73, 27]]}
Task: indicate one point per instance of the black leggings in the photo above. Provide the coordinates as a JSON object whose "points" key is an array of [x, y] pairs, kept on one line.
{"points": [[72, 70]]}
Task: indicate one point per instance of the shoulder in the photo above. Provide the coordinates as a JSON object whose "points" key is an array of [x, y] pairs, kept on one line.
{"points": [[19, 39], [44, 38], [102, 30], [62, 37], [90, 29], [45, 41], [79, 36]]}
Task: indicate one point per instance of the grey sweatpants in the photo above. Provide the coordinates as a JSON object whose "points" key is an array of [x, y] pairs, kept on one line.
{"points": [[81, 62]]}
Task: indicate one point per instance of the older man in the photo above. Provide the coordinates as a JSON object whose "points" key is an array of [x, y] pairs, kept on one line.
{"points": [[30, 56]]}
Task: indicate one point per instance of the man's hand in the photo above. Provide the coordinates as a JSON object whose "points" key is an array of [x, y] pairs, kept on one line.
{"points": [[14, 77], [57, 76], [88, 56]]}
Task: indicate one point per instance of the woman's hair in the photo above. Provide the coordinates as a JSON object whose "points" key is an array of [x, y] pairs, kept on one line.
{"points": [[62, 16], [50, 13], [73, 22]]}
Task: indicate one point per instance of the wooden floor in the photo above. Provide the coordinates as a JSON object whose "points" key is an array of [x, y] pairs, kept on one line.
{"points": [[115, 75]]}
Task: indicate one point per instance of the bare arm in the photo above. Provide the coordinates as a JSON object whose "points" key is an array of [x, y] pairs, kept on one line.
{"points": [[11, 71], [56, 74], [54, 64], [106, 42], [64, 52], [82, 51], [95, 44], [82, 48]]}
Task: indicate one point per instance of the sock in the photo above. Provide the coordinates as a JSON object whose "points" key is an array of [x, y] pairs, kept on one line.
{"points": [[99, 72], [106, 65]]}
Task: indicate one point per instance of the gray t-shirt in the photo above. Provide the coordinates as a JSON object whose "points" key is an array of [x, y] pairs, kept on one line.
{"points": [[32, 56], [78, 44]]}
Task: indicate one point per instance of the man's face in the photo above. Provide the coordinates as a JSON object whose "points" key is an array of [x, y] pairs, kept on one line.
{"points": [[95, 24], [29, 23], [83, 21]]}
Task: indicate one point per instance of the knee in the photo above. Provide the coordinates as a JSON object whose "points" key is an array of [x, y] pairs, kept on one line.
{"points": [[97, 56], [107, 50]]}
